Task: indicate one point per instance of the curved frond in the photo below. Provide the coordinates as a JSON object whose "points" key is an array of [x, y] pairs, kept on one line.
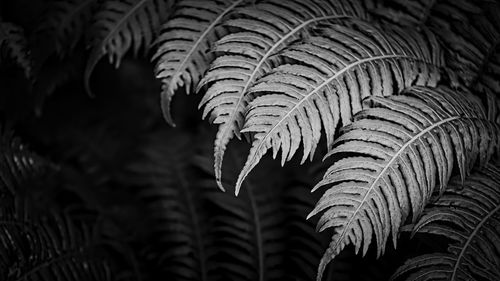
{"points": [[331, 75], [180, 222], [304, 246], [34, 246], [184, 43], [265, 29], [469, 214], [250, 230], [13, 44], [17, 164], [51, 248], [393, 157], [66, 21], [120, 25], [470, 31]]}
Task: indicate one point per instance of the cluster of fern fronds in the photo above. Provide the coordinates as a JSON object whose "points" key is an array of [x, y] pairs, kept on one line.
{"points": [[401, 98]]}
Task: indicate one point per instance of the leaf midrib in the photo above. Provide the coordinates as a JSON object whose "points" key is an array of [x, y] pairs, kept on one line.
{"points": [[121, 21], [195, 221], [200, 39], [258, 232], [72, 15], [325, 83], [389, 164], [267, 55], [469, 240]]}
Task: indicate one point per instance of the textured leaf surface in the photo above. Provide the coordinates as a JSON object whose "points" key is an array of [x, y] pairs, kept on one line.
{"points": [[51, 248], [393, 157], [333, 73], [121, 25], [17, 164], [468, 214], [184, 43], [180, 222], [264, 30], [34, 247], [66, 21], [13, 45]]}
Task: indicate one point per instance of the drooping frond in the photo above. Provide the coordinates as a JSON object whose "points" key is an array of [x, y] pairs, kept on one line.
{"points": [[180, 221], [265, 29], [393, 157], [250, 230], [51, 248], [470, 31], [331, 75], [418, 13], [66, 22], [13, 45], [17, 164], [469, 215], [304, 246], [184, 43], [121, 25], [33, 246]]}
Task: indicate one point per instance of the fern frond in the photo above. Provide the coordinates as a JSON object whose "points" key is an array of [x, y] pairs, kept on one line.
{"points": [[66, 21], [469, 30], [184, 43], [18, 164], [332, 74], [121, 25], [304, 246], [247, 55], [46, 248], [468, 214], [251, 232], [392, 158], [34, 246], [13, 44], [177, 208]]}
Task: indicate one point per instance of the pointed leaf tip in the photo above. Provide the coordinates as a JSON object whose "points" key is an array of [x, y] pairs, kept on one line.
{"points": [[166, 99], [220, 185]]}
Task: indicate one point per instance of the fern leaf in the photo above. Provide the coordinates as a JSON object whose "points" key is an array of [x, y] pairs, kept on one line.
{"points": [[304, 246], [17, 164], [469, 30], [13, 44], [66, 21], [34, 246], [251, 229], [181, 224], [184, 43], [265, 30], [392, 157], [121, 25], [325, 86], [468, 213], [46, 248]]}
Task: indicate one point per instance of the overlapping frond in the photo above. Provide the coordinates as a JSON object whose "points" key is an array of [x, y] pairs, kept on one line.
{"points": [[184, 44], [121, 25], [393, 157], [180, 223], [66, 22], [250, 230], [34, 246], [468, 214], [469, 30], [332, 74], [304, 246], [264, 30], [13, 45], [17, 163], [51, 248]]}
